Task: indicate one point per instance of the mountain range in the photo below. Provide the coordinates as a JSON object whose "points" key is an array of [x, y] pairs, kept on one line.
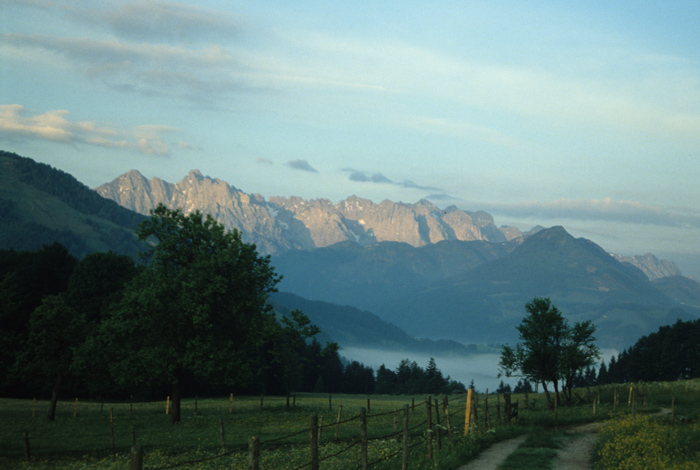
{"points": [[449, 275]]}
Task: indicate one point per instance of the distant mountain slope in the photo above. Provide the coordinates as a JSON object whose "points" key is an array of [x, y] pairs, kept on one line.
{"points": [[281, 223], [650, 265], [371, 276], [584, 281], [40, 204], [350, 327]]}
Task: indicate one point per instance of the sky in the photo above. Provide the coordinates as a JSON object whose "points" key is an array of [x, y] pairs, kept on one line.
{"points": [[581, 114]]}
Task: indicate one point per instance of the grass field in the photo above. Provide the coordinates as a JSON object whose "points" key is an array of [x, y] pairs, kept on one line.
{"points": [[85, 440]]}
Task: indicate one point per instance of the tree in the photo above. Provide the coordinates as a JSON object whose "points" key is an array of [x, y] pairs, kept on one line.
{"points": [[195, 307], [549, 350], [55, 332]]}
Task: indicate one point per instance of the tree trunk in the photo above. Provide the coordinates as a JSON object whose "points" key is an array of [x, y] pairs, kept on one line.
{"points": [[54, 396], [175, 415], [546, 393]]}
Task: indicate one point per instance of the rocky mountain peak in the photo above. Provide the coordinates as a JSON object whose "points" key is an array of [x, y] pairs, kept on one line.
{"points": [[283, 223]]}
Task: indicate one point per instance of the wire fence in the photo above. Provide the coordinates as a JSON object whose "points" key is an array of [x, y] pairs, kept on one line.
{"points": [[413, 425]]}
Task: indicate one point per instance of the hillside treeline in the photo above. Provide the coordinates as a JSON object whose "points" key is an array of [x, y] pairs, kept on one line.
{"points": [[52, 308], [672, 353]]}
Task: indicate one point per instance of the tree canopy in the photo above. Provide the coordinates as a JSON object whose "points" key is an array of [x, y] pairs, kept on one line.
{"points": [[194, 308], [550, 350]]}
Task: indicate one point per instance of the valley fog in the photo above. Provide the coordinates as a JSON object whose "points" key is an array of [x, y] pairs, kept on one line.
{"points": [[482, 368]]}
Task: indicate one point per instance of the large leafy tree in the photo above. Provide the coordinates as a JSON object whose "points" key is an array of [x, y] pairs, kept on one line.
{"points": [[195, 308], [549, 350]]}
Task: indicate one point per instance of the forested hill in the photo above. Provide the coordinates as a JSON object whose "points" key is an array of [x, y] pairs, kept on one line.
{"points": [[40, 205]]}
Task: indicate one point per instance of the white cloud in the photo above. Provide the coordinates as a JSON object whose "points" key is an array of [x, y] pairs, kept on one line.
{"points": [[17, 122]]}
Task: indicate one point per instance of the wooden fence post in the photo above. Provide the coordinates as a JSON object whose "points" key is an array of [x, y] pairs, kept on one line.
{"points": [[369, 408], [469, 411], [396, 421], [136, 458], [498, 409], [437, 423], [413, 404], [363, 439], [673, 408], [314, 442], [629, 400], [337, 424], [75, 407], [223, 437], [429, 420], [487, 418], [506, 408], [111, 425], [446, 410], [253, 453], [26, 446], [404, 462], [167, 405]]}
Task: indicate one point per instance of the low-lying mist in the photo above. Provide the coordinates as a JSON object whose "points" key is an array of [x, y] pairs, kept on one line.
{"points": [[482, 368]]}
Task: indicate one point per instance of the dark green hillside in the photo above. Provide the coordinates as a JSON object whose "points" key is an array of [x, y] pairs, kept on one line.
{"points": [[373, 275], [582, 279], [40, 204], [350, 327]]}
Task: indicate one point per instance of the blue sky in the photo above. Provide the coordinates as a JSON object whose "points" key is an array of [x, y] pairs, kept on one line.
{"points": [[581, 114]]}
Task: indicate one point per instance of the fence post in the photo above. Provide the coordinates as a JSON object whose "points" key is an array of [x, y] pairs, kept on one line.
{"points": [[469, 411], [429, 420], [136, 458], [506, 408], [26, 446], [337, 424], [413, 404], [437, 423], [111, 425], [396, 421], [167, 405], [446, 409], [498, 409], [487, 418], [369, 408], [253, 453], [223, 437], [363, 439], [314, 442], [404, 462], [673, 408]]}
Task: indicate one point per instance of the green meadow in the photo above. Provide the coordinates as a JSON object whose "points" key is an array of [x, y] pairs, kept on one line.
{"points": [[100, 435]]}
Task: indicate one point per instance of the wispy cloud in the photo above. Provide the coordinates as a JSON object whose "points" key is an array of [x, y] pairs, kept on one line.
{"points": [[55, 126], [302, 165], [378, 178], [599, 209]]}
